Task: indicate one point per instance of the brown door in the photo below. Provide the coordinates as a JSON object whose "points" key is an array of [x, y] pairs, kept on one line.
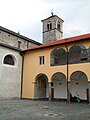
{"points": [[52, 93], [87, 94]]}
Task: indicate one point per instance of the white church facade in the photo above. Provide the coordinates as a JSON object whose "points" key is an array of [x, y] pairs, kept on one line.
{"points": [[11, 44]]}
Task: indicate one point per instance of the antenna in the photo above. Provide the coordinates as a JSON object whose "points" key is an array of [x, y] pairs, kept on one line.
{"points": [[52, 12]]}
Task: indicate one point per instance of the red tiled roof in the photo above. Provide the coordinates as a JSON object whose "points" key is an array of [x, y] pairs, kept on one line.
{"points": [[62, 41]]}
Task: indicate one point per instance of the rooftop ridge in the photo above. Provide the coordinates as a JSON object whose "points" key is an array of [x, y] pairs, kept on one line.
{"points": [[18, 35], [61, 41]]}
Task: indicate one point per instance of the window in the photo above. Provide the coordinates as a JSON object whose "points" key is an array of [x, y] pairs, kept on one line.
{"points": [[49, 26], [41, 60], [84, 55], [78, 53], [8, 60], [58, 57], [19, 42], [27, 44], [58, 26]]}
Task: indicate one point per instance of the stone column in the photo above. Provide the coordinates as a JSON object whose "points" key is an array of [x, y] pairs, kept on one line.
{"points": [[35, 90], [51, 91]]}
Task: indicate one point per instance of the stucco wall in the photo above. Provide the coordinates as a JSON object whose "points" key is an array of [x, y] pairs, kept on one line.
{"points": [[10, 76], [12, 40], [32, 67]]}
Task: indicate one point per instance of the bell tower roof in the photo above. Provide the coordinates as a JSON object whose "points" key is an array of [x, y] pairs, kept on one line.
{"points": [[52, 16]]}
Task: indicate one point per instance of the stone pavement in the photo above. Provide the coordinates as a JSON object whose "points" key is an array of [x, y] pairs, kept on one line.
{"points": [[43, 110]]}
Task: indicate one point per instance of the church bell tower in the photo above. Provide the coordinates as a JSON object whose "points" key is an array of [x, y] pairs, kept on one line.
{"points": [[52, 28]]}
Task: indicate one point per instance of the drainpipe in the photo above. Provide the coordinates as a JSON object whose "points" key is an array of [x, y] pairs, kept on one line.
{"points": [[68, 92], [22, 74]]}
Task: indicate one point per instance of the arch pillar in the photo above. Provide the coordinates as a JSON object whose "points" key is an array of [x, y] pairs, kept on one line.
{"points": [[51, 91]]}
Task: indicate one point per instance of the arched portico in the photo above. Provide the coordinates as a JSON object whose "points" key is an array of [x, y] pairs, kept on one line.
{"points": [[79, 84], [77, 54], [58, 57], [59, 85], [41, 86]]}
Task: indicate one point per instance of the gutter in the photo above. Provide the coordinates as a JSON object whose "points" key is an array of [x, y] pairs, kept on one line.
{"points": [[22, 74]]}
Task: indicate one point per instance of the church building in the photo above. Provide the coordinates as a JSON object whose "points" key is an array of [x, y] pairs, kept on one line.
{"points": [[11, 62], [58, 67]]}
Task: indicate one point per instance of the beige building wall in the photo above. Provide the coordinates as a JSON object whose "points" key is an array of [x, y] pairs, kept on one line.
{"points": [[32, 67]]}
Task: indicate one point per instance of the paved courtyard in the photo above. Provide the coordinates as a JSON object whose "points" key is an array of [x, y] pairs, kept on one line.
{"points": [[43, 110]]}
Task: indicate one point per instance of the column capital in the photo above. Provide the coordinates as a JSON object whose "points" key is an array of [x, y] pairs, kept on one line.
{"points": [[34, 82]]}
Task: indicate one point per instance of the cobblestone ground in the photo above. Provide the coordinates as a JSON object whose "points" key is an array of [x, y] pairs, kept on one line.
{"points": [[43, 110]]}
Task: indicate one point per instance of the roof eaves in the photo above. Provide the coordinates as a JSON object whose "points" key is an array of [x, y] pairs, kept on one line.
{"points": [[18, 35], [51, 17], [58, 42]]}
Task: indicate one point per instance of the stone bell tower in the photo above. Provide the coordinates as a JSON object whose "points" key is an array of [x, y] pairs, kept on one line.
{"points": [[52, 28]]}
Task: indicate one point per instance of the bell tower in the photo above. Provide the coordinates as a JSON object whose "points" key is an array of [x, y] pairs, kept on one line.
{"points": [[52, 28]]}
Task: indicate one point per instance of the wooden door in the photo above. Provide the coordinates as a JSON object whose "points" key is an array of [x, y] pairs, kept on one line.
{"points": [[87, 94], [52, 93]]}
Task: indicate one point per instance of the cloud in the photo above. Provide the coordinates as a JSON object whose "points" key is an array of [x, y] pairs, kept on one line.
{"points": [[26, 15], [76, 25], [78, 19]]}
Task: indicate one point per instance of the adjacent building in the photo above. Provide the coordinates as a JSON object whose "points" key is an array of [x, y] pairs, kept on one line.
{"points": [[11, 44], [59, 66], [52, 69]]}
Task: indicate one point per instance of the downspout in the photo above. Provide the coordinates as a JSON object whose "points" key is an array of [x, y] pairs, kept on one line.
{"points": [[22, 74], [68, 92]]}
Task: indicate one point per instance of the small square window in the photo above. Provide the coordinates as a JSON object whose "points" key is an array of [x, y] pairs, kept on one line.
{"points": [[41, 60]]}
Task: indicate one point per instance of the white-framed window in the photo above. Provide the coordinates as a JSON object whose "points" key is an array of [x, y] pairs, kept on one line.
{"points": [[8, 59], [41, 60]]}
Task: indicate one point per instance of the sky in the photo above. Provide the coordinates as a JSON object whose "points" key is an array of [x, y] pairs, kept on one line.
{"points": [[24, 16]]}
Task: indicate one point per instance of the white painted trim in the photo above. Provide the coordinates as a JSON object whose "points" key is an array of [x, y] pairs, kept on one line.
{"points": [[15, 60]]}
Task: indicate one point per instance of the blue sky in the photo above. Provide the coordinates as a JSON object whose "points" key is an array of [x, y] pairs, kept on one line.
{"points": [[25, 16]]}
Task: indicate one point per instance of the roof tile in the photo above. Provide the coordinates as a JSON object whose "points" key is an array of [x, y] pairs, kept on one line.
{"points": [[62, 41]]}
